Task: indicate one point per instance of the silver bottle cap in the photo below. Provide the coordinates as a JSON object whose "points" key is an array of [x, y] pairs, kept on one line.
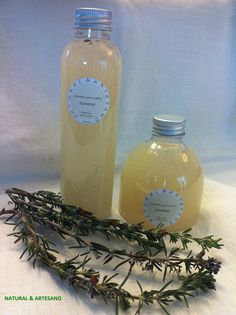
{"points": [[93, 18], [168, 125]]}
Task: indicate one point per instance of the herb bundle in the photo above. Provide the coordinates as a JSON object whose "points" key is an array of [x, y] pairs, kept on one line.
{"points": [[157, 250]]}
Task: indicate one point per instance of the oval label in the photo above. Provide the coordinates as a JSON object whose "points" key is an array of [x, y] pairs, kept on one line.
{"points": [[88, 100], [163, 206]]}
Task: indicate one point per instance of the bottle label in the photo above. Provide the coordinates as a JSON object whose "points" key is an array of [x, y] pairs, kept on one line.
{"points": [[163, 206], [88, 100]]}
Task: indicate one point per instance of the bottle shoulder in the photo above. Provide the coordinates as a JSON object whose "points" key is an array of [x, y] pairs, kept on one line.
{"points": [[153, 147], [151, 152]]}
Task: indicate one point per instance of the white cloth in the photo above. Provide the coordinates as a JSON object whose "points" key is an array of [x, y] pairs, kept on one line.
{"points": [[19, 278]]}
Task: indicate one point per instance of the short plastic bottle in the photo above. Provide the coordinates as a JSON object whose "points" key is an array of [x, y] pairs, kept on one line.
{"points": [[162, 179]]}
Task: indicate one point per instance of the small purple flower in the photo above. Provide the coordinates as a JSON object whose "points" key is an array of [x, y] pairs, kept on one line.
{"points": [[149, 266], [213, 265], [93, 292]]}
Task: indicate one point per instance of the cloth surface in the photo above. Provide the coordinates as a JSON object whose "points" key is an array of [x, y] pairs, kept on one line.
{"points": [[19, 278]]}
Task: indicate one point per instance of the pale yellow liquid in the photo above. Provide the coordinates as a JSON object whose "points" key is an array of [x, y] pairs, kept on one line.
{"points": [[88, 151], [157, 165]]}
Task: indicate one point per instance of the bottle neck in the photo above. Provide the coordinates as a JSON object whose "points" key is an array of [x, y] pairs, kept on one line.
{"points": [[92, 34], [169, 139]]}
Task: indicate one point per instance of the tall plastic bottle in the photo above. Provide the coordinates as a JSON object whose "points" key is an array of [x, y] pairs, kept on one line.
{"points": [[90, 80]]}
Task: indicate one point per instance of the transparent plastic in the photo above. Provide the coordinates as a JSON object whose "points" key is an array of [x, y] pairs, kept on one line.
{"points": [[161, 163], [88, 151]]}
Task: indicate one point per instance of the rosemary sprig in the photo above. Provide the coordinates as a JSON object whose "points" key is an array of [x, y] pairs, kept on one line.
{"points": [[186, 238], [144, 258], [170, 263], [46, 208], [79, 277], [49, 205]]}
